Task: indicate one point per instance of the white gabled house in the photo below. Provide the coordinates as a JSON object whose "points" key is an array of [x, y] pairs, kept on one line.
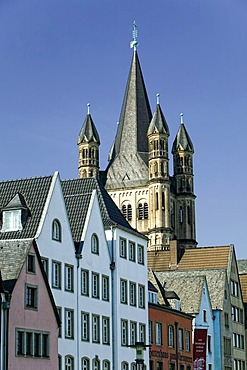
{"points": [[96, 265]]}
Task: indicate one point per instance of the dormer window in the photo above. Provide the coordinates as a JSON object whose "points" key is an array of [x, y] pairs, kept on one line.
{"points": [[56, 230], [15, 214]]}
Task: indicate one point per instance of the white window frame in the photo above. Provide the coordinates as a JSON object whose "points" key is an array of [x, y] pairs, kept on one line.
{"points": [[95, 328], [95, 244], [84, 282], [69, 323], [105, 288], [85, 326], [123, 248], [105, 330], [69, 278], [132, 293], [95, 285], [132, 251], [141, 296], [56, 274], [140, 257], [124, 333], [12, 220], [123, 291], [133, 332], [158, 333]]}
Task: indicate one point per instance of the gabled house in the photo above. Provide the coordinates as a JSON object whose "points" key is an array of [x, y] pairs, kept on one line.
{"points": [[29, 315], [231, 321], [96, 265]]}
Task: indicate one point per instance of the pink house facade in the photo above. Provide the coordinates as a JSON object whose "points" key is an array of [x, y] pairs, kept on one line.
{"points": [[33, 321]]}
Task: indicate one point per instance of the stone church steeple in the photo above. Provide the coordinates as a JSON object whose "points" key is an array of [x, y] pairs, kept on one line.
{"points": [[183, 151], [88, 146]]}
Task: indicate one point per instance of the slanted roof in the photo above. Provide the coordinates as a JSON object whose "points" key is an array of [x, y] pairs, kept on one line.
{"points": [[34, 191], [12, 256], [184, 283], [88, 131], [77, 194], [242, 269], [205, 258], [158, 123], [129, 153], [182, 140], [242, 266], [18, 202]]}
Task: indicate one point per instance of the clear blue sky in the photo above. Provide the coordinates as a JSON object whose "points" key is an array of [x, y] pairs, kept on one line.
{"points": [[58, 55]]}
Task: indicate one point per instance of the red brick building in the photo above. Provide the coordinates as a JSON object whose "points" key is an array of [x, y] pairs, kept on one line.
{"points": [[170, 335]]}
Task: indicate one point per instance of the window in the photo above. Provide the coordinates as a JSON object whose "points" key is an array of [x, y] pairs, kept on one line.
{"points": [[69, 278], [106, 365], [95, 329], [59, 311], [124, 332], [226, 320], [84, 282], [227, 346], [69, 363], [124, 366], [152, 297], [133, 366], [150, 331], [123, 248], [237, 314], [56, 274], [85, 364], [95, 244], [145, 211], [123, 291], [180, 338], [96, 364], [132, 293], [127, 211], [31, 296], [133, 336], [209, 343], [45, 263], [159, 365], [69, 323], [105, 288], [170, 336], [56, 231], [142, 333], [105, 330], [140, 211], [141, 254], [31, 263], [204, 315], [95, 285], [187, 340], [158, 333], [32, 343], [141, 296], [12, 220], [234, 288], [132, 251], [85, 326], [59, 362]]}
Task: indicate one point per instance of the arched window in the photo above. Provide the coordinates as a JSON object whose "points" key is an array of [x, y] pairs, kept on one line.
{"points": [[125, 366], [181, 215], [124, 211], [189, 214], [69, 363], [96, 364], [106, 365], [56, 230], [95, 244], [133, 366], [85, 365]]}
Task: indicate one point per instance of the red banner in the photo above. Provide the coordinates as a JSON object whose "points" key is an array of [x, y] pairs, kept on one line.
{"points": [[200, 349]]}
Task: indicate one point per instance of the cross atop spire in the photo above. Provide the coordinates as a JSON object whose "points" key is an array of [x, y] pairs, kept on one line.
{"points": [[157, 98], [134, 43]]}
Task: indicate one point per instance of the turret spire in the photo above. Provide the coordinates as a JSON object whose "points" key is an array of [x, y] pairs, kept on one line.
{"points": [[134, 43]]}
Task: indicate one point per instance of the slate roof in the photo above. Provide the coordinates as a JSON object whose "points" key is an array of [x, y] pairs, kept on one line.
{"points": [[188, 286], [158, 122], [242, 269], [88, 131], [242, 266], [34, 192], [12, 256], [77, 195], [129, 153], [182, 140]]}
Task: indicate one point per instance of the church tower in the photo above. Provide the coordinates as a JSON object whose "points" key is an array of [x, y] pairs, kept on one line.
{"points": [[159, 181], [183, 151], [88, 146]]}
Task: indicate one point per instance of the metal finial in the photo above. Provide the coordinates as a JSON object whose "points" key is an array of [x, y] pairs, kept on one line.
{"points": [[134, 43], [88, 108], [157, 98], [181, 118]]}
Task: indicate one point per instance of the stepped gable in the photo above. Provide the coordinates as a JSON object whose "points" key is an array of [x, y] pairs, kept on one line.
{"points": [[205, 258], [34, 191], [77, 194], [216, 279]]}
